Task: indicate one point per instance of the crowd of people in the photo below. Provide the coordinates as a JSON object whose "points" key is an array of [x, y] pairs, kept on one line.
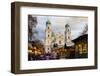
{"points": [[45, 56]]}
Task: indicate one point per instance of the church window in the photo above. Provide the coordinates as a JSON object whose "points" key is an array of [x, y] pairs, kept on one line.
{"points": [[48, 27], [68, 37], [59, 42]]}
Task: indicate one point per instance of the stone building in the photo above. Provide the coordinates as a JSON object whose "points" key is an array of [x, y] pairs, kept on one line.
{"points": [[58, 39], [68, 40], [48, 37]]}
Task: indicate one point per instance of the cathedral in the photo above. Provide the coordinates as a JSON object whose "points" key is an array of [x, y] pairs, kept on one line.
{"points": [[59, 39]]}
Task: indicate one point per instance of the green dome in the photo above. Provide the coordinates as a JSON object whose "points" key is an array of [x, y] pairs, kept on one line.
{"points": [[48, 22], [67, 25]]}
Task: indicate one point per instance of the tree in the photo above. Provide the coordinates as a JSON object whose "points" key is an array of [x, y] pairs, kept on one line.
{"points": [[85, 30], [32, 22]]}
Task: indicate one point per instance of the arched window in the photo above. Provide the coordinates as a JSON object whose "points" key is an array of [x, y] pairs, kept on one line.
{"points": [[68, 37], [59, 42], [48, 35], [48, 27]]}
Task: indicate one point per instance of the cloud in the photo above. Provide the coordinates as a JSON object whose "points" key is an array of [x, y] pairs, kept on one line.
{"points": [[77, 25]]}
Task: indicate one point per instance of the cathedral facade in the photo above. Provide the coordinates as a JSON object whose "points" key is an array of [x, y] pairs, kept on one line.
{"points": [[57, 39]]}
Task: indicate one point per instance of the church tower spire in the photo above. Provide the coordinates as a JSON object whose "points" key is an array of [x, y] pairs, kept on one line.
{"points": [[68, 41], [48, 37]]}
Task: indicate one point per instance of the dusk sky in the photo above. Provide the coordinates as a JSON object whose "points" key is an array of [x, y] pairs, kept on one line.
{"points": [[58, 23]]}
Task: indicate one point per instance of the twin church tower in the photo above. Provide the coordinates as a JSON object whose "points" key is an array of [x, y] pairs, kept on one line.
{"points": [[59, 39]]}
